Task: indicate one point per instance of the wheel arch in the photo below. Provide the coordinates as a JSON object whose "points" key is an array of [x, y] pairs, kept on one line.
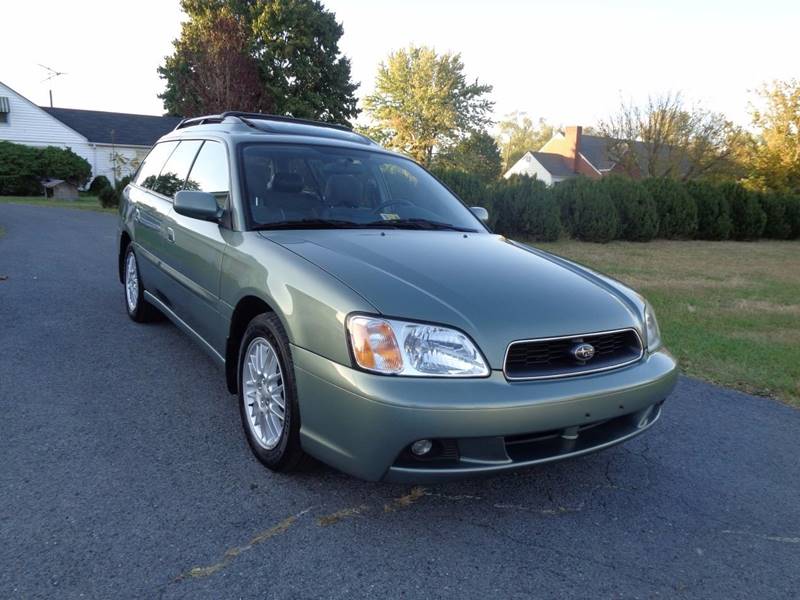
{"points": [[246, 309]]}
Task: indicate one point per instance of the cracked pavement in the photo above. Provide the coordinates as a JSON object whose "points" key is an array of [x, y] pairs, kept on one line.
{"points": [[124, 474]]}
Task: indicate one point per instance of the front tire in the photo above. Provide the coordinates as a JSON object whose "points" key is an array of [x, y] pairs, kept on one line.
{"points": [[139, 309], [268, 395]]}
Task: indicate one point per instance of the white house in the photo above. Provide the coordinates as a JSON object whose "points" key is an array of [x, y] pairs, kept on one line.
{"points": [[113, 143]]}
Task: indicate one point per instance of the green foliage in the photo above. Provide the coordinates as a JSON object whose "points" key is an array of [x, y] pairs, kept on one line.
{"points": [[21, 168], [713, 211], [747, 215], [638, 214], [477, 154], [587, 211], [793, 215], [98, 184], [775, 207], [278, 56], [466, 186], [517, 134], [110, 196], [677, 210], [423, 102], [776, 156], [565, 195], [523, 207]]}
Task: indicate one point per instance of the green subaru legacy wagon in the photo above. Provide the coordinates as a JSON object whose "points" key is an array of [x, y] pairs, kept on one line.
{"points": [[366, 317]]}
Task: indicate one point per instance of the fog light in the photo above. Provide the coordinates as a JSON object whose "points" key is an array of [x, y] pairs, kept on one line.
{"points": [[421, 447]]}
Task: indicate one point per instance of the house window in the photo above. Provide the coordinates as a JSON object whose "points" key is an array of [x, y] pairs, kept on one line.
{"points": [[4, 109]]}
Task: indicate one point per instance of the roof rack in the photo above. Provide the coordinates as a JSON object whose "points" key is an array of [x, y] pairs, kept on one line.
{"points": [[247, 118]]}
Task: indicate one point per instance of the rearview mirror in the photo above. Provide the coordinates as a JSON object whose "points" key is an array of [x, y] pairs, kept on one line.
{"points": [[197, 205], [480, 212]]}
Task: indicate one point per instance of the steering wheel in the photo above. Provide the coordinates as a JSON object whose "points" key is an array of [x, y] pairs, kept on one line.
{"points": [[393, 203]]}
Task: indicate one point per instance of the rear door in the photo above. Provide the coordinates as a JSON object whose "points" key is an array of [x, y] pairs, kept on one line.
{"points": [[149, 210], [196, 248]]}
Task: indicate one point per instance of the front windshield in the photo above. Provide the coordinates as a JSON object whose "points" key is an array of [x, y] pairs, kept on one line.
{"points": [[324, 187]]}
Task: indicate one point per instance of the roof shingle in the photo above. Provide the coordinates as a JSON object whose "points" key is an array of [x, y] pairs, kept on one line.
{"points": [[123, 129]]}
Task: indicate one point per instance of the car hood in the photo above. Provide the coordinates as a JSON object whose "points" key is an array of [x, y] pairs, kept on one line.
{"points": [[495, 290]]}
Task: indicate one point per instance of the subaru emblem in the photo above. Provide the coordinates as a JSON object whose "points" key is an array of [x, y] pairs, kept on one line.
{"points": [[583, 352]]}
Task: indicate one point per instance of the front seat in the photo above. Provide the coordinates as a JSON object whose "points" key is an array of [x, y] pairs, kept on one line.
{"points": [[344, 191]]}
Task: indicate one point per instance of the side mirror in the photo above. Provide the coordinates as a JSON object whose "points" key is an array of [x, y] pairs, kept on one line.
{"points": [[480, 212], [197, 205]]}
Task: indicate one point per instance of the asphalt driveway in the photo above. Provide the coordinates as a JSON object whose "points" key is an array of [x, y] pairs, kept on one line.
{"points": [[124, 473]]}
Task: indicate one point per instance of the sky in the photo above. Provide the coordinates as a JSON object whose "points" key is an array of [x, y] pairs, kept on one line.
{"points": [[568, 61]]}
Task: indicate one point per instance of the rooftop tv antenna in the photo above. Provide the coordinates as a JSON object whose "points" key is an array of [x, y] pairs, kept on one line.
{"points": [[51, 74]]}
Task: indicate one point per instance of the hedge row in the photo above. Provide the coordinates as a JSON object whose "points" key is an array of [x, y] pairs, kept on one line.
{"points": [[22, 167], [618, 208]]}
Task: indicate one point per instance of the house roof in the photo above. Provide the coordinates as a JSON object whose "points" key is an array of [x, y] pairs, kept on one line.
{"points": [[123, 129], [595, 149], [555, 164]]}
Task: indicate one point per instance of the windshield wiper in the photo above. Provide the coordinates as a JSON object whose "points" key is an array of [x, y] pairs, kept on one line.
{"points": [[306, 224], [417, 224]]}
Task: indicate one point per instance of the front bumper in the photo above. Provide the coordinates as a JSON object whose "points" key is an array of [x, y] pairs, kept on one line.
{"points": [[361, 423]]}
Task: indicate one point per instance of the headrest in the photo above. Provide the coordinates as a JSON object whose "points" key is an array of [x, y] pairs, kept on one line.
{"points": [[288, 183], [343, 190]]}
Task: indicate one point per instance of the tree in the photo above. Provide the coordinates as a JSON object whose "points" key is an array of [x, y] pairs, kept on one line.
{"points": [[776, 157], [517, 134], [278, 56], [477, 154], [423, 102], [677, 141]]}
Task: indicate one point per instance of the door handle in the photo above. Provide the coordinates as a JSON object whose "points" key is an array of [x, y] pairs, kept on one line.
{"points": [[171, 234]]}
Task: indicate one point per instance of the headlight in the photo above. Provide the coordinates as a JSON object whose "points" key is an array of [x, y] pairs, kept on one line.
{"points": [[651, 328], [399, 348]]}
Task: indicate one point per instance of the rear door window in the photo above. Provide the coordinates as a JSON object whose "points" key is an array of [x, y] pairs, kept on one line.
{"points": [[173, 174], [154, 161]]}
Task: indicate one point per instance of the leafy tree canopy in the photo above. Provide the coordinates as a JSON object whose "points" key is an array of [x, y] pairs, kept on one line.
{"points": [[279, 56], [517, 134], [477, 154], [423, 102], [776, 157], [680, 141]]}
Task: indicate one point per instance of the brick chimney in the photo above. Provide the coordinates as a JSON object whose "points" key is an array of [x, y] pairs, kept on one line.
{"points": [[572, 138]]}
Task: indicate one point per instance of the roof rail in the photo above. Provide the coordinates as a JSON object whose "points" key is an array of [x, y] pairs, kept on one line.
{"points": [[248, 117], [283, 119]]}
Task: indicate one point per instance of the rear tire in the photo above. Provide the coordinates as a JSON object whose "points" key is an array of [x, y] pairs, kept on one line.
{"points": [[268, 395], [139, 309]]}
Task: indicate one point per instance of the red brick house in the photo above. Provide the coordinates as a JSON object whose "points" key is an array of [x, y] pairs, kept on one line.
{"points": [[570, 154]]}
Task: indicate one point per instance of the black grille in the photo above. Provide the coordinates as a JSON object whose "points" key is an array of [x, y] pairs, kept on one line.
{"points": [[555, 358]]}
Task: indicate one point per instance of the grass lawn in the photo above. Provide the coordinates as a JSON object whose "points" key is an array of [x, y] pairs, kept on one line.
{"points": [[730, 311], [82, 203]]}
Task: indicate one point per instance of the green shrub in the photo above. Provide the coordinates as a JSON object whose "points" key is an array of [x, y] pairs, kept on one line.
{"points": [[638, 215], [523, 207], [565, 195], [63, 163], [775, 207], [22, 167], [19, 174], [677, 211], [793, 216], [98, 184], [587, 211], [110, 196], [713, 212], [747, 215], [466, 186]]}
